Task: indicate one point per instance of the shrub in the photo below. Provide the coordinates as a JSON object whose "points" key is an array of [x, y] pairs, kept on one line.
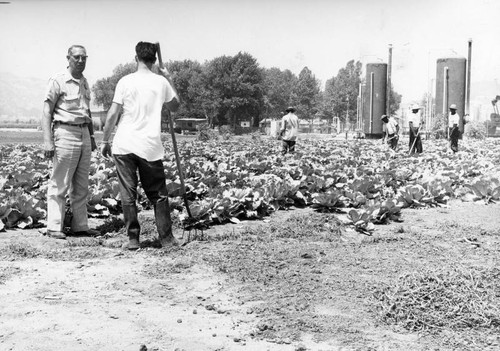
{"points": [[475, 130], [226, 131], [438, 127], [205, 133]]}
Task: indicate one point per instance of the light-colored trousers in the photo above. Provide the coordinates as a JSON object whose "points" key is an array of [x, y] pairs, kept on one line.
{"points": [[70, 174]]}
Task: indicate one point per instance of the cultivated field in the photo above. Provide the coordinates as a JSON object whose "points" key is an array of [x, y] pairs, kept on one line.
{"points": [[343, 246]]}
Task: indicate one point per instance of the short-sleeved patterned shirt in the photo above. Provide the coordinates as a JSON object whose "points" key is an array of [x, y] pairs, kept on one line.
{"points": [[71, 98], [391, 126]]}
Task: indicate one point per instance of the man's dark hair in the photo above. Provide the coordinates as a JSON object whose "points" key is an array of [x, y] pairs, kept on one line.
{"points": [[146, 52]]}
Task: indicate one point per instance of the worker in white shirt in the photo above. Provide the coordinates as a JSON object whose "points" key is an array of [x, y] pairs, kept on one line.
{"points": [[391, 131], [415, 124]]}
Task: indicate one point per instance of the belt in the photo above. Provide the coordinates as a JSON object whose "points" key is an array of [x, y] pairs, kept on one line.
{"points": [[72, 124]]}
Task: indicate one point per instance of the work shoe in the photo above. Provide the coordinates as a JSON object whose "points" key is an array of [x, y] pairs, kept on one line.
{"points": [[164, 224], [89, 232], [132, 226], [56, 234], [170, 242], [133, 244]]}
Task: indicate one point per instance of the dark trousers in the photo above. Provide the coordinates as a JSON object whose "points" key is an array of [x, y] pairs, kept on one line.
{"points": [[415, 141], [454, 136], [152, 176], [392, 140], [288, 146]]}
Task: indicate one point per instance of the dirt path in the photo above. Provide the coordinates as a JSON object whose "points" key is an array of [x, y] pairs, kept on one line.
{"points": [[114, 304], [236, 293]]}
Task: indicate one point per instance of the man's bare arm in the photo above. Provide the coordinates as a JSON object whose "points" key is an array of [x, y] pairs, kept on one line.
{"points": [[111, 118], [172, 105], [48, 137]]}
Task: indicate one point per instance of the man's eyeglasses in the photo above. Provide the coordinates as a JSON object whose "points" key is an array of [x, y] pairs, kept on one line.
{"points": [[79, 57]]}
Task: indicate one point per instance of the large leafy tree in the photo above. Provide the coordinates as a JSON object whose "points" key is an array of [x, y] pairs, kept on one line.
{"points": [[187, 78], [306, 94], [278, 88], [104, 89], [214, 80], [328, 103], [394, 101], [343, 96], [233, 88]]}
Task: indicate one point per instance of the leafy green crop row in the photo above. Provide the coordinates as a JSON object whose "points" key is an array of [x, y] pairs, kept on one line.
{"points": [[246, 179]]}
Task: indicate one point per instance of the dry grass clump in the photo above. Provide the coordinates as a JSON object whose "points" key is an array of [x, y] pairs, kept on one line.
{"points": [[457, 298]]}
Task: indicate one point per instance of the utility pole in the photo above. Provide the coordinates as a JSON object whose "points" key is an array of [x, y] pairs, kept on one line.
{"points": [[467, 96], [388, 93], [347, 115]]}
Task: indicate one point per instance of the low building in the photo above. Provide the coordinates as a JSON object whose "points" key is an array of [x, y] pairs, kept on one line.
{"points": [[185, 125]]}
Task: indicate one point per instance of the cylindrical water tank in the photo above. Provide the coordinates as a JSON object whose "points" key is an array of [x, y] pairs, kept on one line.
{"points": [[374, 98], [455, 91]]}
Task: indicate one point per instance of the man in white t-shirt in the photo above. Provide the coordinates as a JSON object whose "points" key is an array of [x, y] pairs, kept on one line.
{"points": [[415, 123], [137, 143], [288, 133], [453, 123]]}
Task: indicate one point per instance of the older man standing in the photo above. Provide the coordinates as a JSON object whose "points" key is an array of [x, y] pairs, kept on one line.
{"points": [[68, 140]]}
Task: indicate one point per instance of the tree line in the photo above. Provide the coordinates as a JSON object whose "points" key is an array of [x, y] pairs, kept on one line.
{"points": [[231, 88]]}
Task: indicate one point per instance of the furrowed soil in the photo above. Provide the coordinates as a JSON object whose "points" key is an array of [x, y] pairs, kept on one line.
{"points": [[297, 281]]}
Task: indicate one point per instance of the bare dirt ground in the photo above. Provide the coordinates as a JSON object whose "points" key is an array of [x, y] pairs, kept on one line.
{"points": [[296, 281]]}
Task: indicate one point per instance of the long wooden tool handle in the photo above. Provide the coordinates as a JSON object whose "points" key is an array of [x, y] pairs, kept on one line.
{"points": [[414, 140], [158, 52], [174, 143]]}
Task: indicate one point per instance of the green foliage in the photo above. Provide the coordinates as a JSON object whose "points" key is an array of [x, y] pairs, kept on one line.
{"points": [[233, 89], [343, 94], [438, 126], [434, 299], [187, 78], [205, 133], [328, 102], [476, 130], [228, 89], [394, 101], [305, 94], [104, 89], [278, 88], [226, 132]]}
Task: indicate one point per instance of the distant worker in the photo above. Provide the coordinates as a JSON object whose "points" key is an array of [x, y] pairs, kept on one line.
{"points": [[137, 146], [288, 133], [68, 137], [391, 131], [454, 130], [415, 124]]}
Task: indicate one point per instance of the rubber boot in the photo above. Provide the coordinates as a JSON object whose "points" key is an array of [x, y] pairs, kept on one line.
{"points": [[164, 223], [132, 226]]}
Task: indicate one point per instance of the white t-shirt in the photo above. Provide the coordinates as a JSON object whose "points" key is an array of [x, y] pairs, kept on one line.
{"points": [[415, 118], [453, 119], [290, 124], [141, 95]]}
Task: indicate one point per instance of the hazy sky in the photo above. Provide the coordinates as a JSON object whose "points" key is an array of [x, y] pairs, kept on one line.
{"points": [[320, 34]]}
